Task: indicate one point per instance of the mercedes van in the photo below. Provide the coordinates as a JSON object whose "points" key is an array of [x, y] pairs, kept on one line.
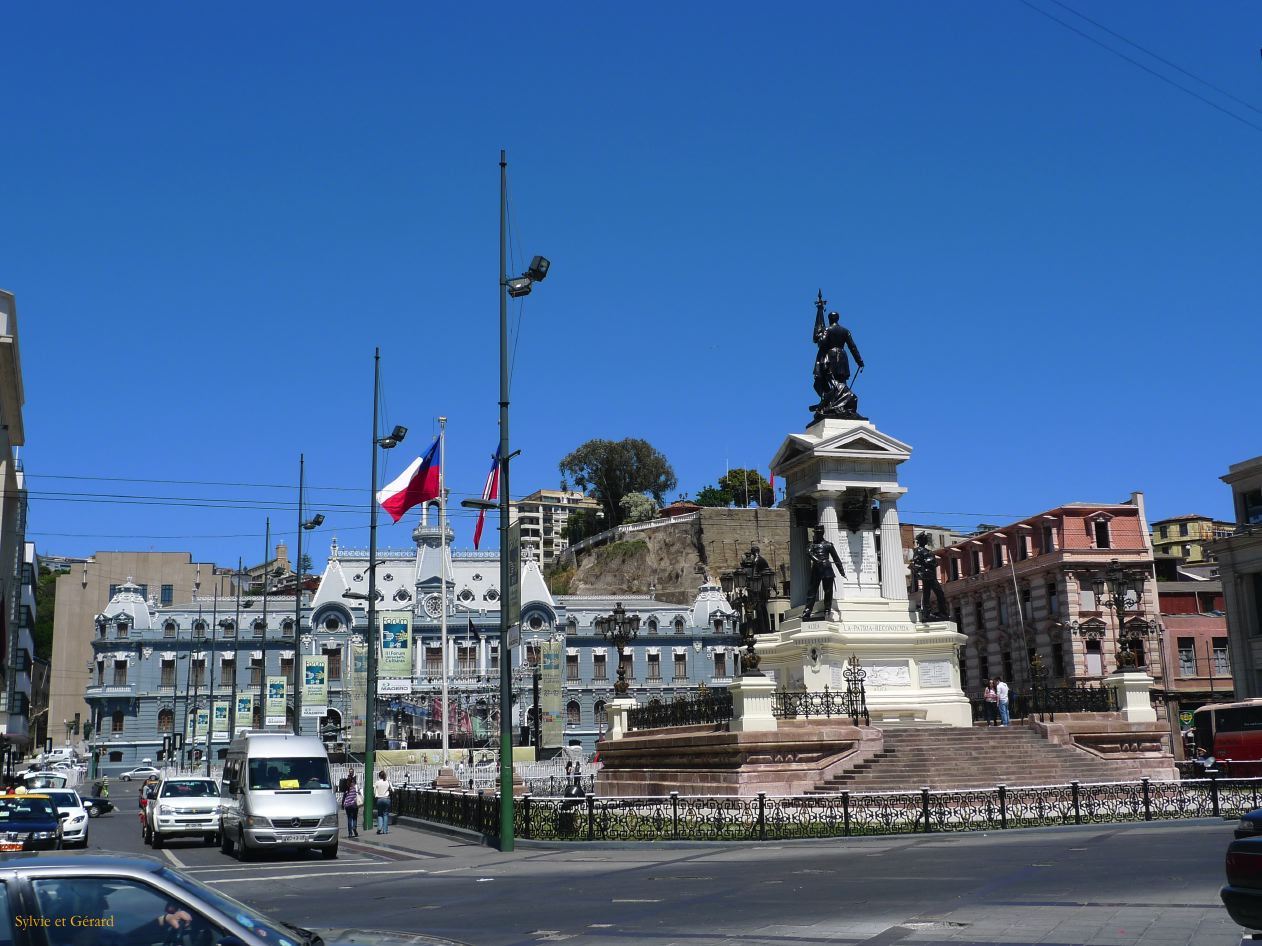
{"points": [[277, 792]]}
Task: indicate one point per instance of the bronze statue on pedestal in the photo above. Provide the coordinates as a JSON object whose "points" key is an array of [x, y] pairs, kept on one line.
{"points": [[822, 555], [924, 568], [832, 367]]}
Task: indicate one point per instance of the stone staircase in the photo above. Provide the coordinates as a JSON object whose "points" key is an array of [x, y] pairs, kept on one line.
{"points": [[944, 757]]}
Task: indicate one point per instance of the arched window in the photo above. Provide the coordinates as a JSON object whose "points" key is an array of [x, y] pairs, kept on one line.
{"points": [[679, 625], [229, 628], [199, 628], [260, 627], [718, 625], [573, 713], [601, 719], [169, 629], [332, 623], [166, 721], [571, 625], [652, 625], [116, 722], [287, 627]]}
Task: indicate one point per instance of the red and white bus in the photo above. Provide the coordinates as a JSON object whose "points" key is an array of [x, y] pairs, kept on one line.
{"points": [[1232, 734]]}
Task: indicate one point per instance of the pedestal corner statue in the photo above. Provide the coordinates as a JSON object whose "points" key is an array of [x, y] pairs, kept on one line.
{"points": [[845, 545], [924, 568]]}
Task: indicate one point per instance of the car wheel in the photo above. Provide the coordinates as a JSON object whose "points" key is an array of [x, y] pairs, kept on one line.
{"points": [[145, 836], [225, 843], [243, 852], [329, 853], [212, 839], [156, 840], [93, 813]]}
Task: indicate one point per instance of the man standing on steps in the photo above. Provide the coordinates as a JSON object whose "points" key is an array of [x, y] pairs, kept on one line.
{"points": [[1001, 690]]}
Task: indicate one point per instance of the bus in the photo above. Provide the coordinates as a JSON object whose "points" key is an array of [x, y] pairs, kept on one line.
{"points": [[1232, 734]]}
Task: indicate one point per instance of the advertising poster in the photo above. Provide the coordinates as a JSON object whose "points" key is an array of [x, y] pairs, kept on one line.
{"points": [[276, 695], [245, 711], [315, 685], [357, 691], [223, 709], [199, 722], [551, 705], [396, 645]]}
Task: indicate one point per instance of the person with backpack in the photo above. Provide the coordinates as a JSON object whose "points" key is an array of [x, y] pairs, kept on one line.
{"points": [[350, 803]]}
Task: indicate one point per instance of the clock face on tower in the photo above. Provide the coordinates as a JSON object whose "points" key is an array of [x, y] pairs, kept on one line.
{"points": [[433, 605]]}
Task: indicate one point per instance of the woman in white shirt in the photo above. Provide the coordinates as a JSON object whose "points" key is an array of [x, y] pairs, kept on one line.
{"points": [[381, 794]]}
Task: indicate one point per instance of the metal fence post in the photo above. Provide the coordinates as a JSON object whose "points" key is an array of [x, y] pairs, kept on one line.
{"points": [[845, 814], [591, 817], [674, 816], [924, 806], [1003, 807], [525, 812], [762, 816], [1147, 799], [1213, 791], [1077, 802]]}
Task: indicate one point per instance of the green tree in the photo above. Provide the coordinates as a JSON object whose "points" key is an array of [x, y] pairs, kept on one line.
{"points": [[713, 496], [610, 469], [747, 486], [638, 507]]}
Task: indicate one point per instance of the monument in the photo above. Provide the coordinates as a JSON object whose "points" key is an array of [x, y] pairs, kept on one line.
{"points": [[849, 577]]}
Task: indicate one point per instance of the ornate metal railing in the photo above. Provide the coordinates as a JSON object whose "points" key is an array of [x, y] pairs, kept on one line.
{"points": [[1045, 702], [710, 706], [845, 814], [852, 702]]}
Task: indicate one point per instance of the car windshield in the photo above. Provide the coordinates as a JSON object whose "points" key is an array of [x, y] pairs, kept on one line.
{"points": [[18, 808], [63, 800], [279, 774], [44, 781], [188, 788], [265, 929]]}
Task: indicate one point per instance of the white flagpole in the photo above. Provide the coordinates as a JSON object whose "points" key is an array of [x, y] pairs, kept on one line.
{"points": [[442, 548]]}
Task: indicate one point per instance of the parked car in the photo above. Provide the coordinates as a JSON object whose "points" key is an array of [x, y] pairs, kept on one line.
{"points": [[28, 823], [39, 780], [1249, 825], [1243, 894], [96, 805], [182, 808], [72, 814], [141, 771], [138, 894]]}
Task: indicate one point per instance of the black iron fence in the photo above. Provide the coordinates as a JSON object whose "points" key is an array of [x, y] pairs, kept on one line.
{"points": [[852, 702], [845, 814], [710, 706], [1044, 702]]}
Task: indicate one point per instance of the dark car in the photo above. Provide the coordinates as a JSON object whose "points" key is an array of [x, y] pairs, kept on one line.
{"points": [[1249, 826], [28, 823], [148, 902], [1243, 894], [97, 806]]}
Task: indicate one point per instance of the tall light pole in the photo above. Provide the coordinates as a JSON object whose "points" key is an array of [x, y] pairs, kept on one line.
{"points": [[304, 525]]}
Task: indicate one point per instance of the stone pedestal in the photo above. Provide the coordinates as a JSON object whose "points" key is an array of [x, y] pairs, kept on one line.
{"points": [[752, 704], [616, 714], [1133, 699], [843, 475], [447, 778]]}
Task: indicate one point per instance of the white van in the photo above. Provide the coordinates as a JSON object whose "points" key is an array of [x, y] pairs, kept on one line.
{"points": [[277, 792]]}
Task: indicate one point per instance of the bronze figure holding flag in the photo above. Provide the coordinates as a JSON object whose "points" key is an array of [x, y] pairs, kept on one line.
{"points": [[832, 367]]}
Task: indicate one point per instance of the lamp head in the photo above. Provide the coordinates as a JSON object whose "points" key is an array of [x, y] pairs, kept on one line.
{"points": [[394, 438], [316, 521], [519, 287], [538, 270]]}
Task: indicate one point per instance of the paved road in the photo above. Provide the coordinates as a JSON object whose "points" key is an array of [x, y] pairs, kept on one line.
{"points": [[1155, 885]]}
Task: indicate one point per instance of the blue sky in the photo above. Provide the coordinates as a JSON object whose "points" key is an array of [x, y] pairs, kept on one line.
{"points": [[212, 214]]}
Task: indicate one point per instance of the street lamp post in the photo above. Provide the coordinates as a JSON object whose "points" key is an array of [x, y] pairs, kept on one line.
{"points": [[1120, 590], [620, 629], [749, 586], [304, 525]]}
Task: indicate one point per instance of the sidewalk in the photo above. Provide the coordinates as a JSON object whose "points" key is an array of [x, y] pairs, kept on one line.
{"points": [[414, 842]]}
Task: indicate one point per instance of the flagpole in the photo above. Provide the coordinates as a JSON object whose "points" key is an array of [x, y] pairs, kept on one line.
{"points": [[442, 549], [505, 658], [370, 696]]}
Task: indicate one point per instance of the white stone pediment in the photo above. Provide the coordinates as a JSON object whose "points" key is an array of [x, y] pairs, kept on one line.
{"points": [[839, 438]]}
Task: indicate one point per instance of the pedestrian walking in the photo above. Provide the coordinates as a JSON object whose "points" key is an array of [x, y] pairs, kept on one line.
{"points": [[350, 803], [381, 792], [1001, 691], [990, 705]]}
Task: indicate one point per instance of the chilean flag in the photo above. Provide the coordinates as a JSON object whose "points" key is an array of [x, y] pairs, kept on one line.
{"points": [[415, 485], [490, 491]]}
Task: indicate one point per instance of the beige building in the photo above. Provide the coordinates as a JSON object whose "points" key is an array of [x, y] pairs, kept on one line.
{"points": [[544, 515], [1240, 568], [1186, 537], [165, 578]]}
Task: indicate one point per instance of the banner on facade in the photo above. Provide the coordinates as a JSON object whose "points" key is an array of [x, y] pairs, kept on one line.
{"points": [[276, 698], [357, 692], [551, 661], [315, 685], [393, 687], [396, 644], [245, 712], [198, 723], [512, 595], [223, 709]]}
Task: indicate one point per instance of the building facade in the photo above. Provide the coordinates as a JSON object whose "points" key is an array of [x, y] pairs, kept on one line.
{"points": [[1240, 570], [1025, 589], [1187, 537], [156, 669], [544, 516], [1197, 652]]}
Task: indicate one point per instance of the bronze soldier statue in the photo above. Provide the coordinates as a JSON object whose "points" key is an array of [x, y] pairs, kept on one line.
{"points": [[822, 555], [832, 367], [758, 566], [924, 568]]}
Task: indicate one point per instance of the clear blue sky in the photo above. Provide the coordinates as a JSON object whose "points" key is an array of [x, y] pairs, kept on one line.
{"points": [[1049, 257]]}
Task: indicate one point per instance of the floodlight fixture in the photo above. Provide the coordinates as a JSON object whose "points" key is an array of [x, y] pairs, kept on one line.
{"points": [[538, 270], [518, 287]]}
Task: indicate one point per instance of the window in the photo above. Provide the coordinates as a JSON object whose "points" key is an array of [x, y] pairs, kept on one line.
{"points": [[287, 667], [720, 663], [467, 658], [168, 673], [1136, 648], [1095, 659], [287, 627], [652, 625], [166, 721], [1187, 656], [977, 561], [1222, 666], [493, 659], [955, 568], [1165, 532], [983, 666], [199, 628], [256, 671], [979, 614], [168, 596], [116, 756], [628, 665], [229, 628], [601, 719], [532, 654], [679, 625], [571, 626], [655, 667], [1007, 665], [1251, 507], [260, 627], [571, 666], [1053, 600], [199, 671], [100, 673], [1002, 607], [170, 629], [332, 623], [1086, 597], [227, 671], [1183, 528], [573, 713], [433, 660], [598, 667], [116, 721], [1023, 546], [1102, 534], [124, 629], [997, 559], [1058, 659], [1049, 539], [334, 657], [681, 666], [120, 673], [1025, 604]]}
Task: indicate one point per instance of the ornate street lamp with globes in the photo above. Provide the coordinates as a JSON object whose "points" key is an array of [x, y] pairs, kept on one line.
{"points": [[620, 629], [748, 587]]}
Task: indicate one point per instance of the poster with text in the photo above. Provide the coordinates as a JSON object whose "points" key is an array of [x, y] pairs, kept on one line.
{"points": [[551, 660], [199, 724], [315, 684], [276, 697], [396, 644], [245, 711], [223, 709], [357, 691]]}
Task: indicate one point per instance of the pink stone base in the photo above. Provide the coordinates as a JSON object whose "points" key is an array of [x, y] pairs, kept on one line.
{"points": [[709, 760], [1145, 746]]}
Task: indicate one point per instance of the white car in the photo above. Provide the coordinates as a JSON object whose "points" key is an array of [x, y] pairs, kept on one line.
{"points": [[182, 807], [73, 816], [141, 772]]}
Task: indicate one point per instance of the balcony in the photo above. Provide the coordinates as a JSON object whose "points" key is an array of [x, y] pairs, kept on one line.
{"points": [[116, 689]]}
